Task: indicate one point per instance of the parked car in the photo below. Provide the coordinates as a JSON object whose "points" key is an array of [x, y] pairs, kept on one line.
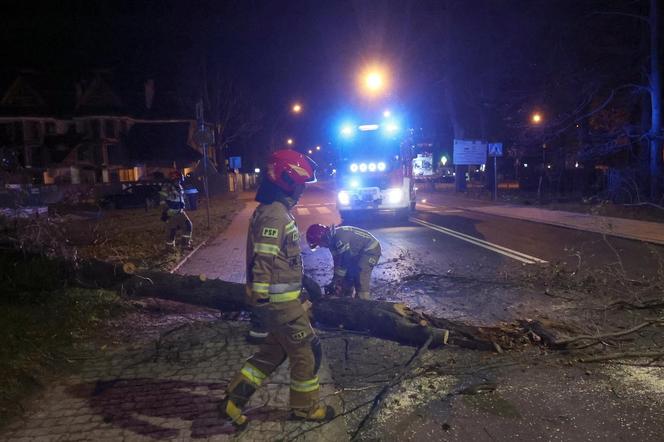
{"points": [[132, 196]]}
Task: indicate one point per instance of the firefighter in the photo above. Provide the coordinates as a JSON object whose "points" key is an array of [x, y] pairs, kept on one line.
{"points": [[274, 286], [355, 253], [173, 214]]}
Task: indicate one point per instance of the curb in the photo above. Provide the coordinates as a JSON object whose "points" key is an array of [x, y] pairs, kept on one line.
{"points": [[189, 255], [569, 226]]}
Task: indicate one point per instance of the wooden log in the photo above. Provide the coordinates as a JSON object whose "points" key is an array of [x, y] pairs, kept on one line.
{"points": [[378, 318]]}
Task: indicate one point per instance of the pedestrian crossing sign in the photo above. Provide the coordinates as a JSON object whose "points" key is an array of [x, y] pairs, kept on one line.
{"points": [[495, 149]]}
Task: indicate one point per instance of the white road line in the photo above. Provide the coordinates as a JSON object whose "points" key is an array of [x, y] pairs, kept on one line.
{"points": [[481, 243], [302, 211], [428, 206], [323, 210], [452, 211]]}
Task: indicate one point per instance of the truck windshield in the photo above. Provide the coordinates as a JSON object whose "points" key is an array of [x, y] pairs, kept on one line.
{"points": [[371, 146]]}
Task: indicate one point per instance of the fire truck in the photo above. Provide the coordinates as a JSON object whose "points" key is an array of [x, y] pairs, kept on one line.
{"points": [[374, 174]]}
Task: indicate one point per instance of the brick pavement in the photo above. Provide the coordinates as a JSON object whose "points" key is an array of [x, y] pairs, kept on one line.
{"points": [[168, 389]]}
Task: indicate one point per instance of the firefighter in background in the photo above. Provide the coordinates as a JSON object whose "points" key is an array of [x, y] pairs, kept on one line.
{"points": [[274, 288], [355, 253], [173, 214]]}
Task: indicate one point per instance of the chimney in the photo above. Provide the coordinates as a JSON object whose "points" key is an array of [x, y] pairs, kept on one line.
{"points": [[149, 93]]}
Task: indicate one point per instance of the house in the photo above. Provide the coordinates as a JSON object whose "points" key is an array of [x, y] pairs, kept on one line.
{"points": [[56, 130]]}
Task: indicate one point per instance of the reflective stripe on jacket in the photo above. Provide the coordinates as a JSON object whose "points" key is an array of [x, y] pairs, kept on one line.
{"points": [[274, 264], [348, 244], [173, 195]]}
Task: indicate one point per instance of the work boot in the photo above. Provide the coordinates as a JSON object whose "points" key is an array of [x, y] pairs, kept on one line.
{"points": [[186, 243], [170, 246], [228, 410], [321, 413]]}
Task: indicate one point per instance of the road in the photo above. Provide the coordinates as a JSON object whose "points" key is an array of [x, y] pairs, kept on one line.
{"points": [[442, 237]]}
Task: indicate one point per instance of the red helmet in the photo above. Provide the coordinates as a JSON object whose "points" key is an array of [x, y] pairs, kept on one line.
{"points": [[317, 234], [288, 168], [174, 175]]}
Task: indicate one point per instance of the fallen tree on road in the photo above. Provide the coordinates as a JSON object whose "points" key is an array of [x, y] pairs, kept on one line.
{"points": [[382, 319]]}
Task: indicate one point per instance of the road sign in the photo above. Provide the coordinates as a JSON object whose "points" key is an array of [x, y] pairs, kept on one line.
{"points": [[495, 149], [235, 162], [469, 152]]}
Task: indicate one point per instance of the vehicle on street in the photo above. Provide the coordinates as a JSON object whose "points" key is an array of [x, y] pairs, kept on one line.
{"points": [[133, 196], [375, 170]]}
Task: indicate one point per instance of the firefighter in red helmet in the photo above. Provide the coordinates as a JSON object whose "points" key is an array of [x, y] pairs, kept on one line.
{"points": [[173, 214], [355, 253], [274, 286]]}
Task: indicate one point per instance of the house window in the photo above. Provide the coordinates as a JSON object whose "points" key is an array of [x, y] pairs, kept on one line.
{"points": [[6, 133], [110, 129], [127, 175], [32, 130], [114, 154], [95, 129]]}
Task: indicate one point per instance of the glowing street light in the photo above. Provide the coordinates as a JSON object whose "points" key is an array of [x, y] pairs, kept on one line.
{"points": [[317, 147], [289, 141], [536, 118], [310, 151], [387, 113], [443, 160], [297, 108], [373, 81]]}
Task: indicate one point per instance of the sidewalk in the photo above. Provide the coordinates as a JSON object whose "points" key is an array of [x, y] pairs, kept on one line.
{"points": [[169, 388], [620, 227]]}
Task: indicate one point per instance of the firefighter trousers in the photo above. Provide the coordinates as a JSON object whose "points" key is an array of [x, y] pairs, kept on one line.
{"points": [[179, 221], [295, 340], [358, 275]]}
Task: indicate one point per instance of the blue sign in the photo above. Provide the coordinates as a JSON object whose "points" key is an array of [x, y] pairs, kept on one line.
{"points": [[235, 162], [495, 149]]}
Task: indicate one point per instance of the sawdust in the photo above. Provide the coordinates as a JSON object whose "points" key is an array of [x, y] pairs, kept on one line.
{"points": [[413, 393], [642, 379]]}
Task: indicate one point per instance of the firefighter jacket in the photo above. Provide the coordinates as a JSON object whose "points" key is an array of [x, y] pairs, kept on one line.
{"points": [[274, 265], [173, 195], [348, 245]]}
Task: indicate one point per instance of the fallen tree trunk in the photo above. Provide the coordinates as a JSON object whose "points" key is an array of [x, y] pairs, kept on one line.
{"points": [[378, 318]]}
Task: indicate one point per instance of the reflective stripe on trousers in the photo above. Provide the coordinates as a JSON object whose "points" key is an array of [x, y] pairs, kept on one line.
{"points": [[252, 374], [305, 386]]}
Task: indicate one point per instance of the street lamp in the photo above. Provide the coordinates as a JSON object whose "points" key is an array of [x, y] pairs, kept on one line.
{"points": [[297, 108], [373, 80], [310, 151], [536, 118], [317, 147], [289, 141]]}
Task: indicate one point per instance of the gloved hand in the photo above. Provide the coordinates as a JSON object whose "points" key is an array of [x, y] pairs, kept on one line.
{"points": [[164, 215], [335, 288]]}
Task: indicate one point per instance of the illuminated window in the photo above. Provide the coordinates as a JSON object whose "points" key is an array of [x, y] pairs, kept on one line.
{"points": [[127, 175]]}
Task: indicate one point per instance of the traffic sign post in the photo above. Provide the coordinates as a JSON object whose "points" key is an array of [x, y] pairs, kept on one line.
{"points": [[495, 151]]}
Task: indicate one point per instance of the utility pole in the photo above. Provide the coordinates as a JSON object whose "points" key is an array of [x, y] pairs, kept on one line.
{"points": [[203, 138]]}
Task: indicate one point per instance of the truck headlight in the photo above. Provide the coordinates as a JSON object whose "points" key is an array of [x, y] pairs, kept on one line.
{"points": [[394, 196], [372, 167], [353, 167], [381, 166], [344, 198], [363, 167]]}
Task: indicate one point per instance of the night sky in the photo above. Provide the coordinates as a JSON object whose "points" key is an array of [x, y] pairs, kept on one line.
{"points": [[499, 59]]}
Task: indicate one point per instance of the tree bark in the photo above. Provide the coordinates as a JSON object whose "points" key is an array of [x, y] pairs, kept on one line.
{"points": [[32, 271]]}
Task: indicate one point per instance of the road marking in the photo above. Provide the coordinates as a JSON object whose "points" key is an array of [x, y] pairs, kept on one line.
{"points": [[452, 211], [428, 206], [323, 210], [481, 243], [302, 211]]}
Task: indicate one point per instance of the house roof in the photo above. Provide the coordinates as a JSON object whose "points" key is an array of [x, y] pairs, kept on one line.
{"points": [[65, 95], [161, 143]]}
